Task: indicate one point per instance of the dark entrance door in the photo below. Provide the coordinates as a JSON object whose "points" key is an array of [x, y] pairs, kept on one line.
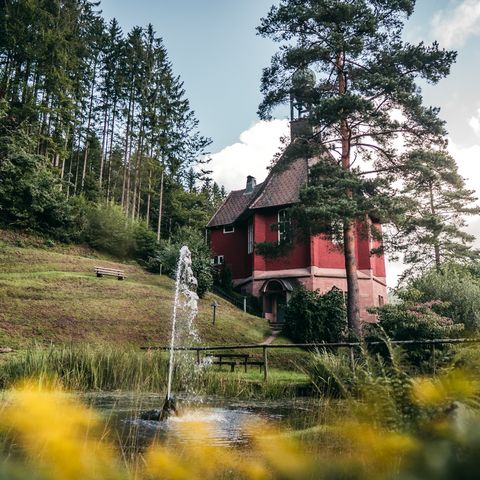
{"points": [[274, 301]]}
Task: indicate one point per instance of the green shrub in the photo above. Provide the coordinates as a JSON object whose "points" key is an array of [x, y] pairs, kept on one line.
{"points": [[146, 245], [457, 290], [223, 278], [311, 317], [110, 231], [30, 195], [410, 321]]}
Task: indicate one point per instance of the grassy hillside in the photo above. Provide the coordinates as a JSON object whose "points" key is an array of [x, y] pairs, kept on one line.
{"points": [[50, 294]]}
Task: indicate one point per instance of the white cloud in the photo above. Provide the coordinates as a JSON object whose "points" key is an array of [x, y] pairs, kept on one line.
{"points": [[468, 161], [250, 156], [452, 28], [394, 268], [474, 123]]}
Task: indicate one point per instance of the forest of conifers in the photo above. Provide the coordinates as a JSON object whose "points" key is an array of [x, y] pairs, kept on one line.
{"points": [[90, 115]]}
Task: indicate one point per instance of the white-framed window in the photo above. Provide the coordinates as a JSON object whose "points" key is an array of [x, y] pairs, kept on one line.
{"points": [[250, 237], [218, 260], [228, 228], [283, 226]]}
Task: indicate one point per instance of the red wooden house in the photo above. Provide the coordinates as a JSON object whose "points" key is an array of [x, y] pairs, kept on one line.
{"points": [[246, 218]]}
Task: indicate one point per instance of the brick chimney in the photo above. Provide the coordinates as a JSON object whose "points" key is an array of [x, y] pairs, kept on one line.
{"points": [[251, 183]]}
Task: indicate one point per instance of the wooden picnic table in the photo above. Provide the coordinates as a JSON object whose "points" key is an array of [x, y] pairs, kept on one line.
{"points": [[221, 356]]}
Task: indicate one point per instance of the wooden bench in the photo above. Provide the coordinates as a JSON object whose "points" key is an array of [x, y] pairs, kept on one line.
{"points": [[112, 272]]}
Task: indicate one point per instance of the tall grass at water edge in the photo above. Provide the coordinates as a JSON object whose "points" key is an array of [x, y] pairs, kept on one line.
{"points": [[88, 367], [107, 368]]}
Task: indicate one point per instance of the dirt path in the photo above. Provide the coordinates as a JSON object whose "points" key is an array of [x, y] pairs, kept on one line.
{"points": [[269, 340]]}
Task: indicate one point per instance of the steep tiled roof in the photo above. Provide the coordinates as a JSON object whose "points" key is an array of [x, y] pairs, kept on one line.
{"points": [[233, 206], [281, 187]]}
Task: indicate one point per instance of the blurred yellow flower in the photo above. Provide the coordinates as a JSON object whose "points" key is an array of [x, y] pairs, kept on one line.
{"points": [[58, 433], [198, 459], [453, 386]]}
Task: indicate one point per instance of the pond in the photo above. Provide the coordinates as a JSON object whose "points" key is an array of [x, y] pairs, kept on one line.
{"points": [[225, 421]]}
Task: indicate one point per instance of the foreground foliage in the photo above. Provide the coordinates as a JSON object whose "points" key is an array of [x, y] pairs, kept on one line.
{"points": [[59, 438]]}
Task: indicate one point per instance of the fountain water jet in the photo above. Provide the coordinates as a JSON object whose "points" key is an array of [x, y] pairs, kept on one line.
{"points": [[185, 308]]}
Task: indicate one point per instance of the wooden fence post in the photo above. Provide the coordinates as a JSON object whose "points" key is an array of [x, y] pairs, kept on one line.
{"points": [[198, 357], [265, 364], [352, 359]]}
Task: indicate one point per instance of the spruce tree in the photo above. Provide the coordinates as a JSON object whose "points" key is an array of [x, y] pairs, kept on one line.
{"points": [[105, 111], [365, 74]]}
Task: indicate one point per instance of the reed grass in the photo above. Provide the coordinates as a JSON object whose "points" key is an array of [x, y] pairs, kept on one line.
{"points": [[109, 368], [248, 387], [88, 367]]}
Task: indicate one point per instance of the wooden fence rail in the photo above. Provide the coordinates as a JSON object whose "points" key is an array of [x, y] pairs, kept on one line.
{"points": [[316, 346]]}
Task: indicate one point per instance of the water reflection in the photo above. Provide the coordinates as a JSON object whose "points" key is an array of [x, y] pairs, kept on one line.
{"points": [[224, 422]]}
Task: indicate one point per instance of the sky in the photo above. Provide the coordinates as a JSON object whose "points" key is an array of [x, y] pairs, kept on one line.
{"points": [[214, 48]]}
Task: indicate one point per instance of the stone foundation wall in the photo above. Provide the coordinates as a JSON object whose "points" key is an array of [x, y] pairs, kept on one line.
{"points": [[371, 288]]}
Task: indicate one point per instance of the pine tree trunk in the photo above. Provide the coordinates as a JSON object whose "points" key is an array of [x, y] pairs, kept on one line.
{"points": [[62, 172], [129, 180], [43, 125], [110, 149], [25, 82], [160, 207], [136, 184], [149, 196], [349, 238], [5, 77], [436, 245], [126, 162], [77, 169], [139, 194], [72, 151], [104, 146], [351, 269], [139, 200], [90, 109]]}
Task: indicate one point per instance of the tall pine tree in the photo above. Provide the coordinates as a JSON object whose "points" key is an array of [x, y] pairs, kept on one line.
{"points": [[432, 231], [365, 73]]}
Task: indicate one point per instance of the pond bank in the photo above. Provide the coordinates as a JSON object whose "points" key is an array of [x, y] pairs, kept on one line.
{"points": [[108, 368]]}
